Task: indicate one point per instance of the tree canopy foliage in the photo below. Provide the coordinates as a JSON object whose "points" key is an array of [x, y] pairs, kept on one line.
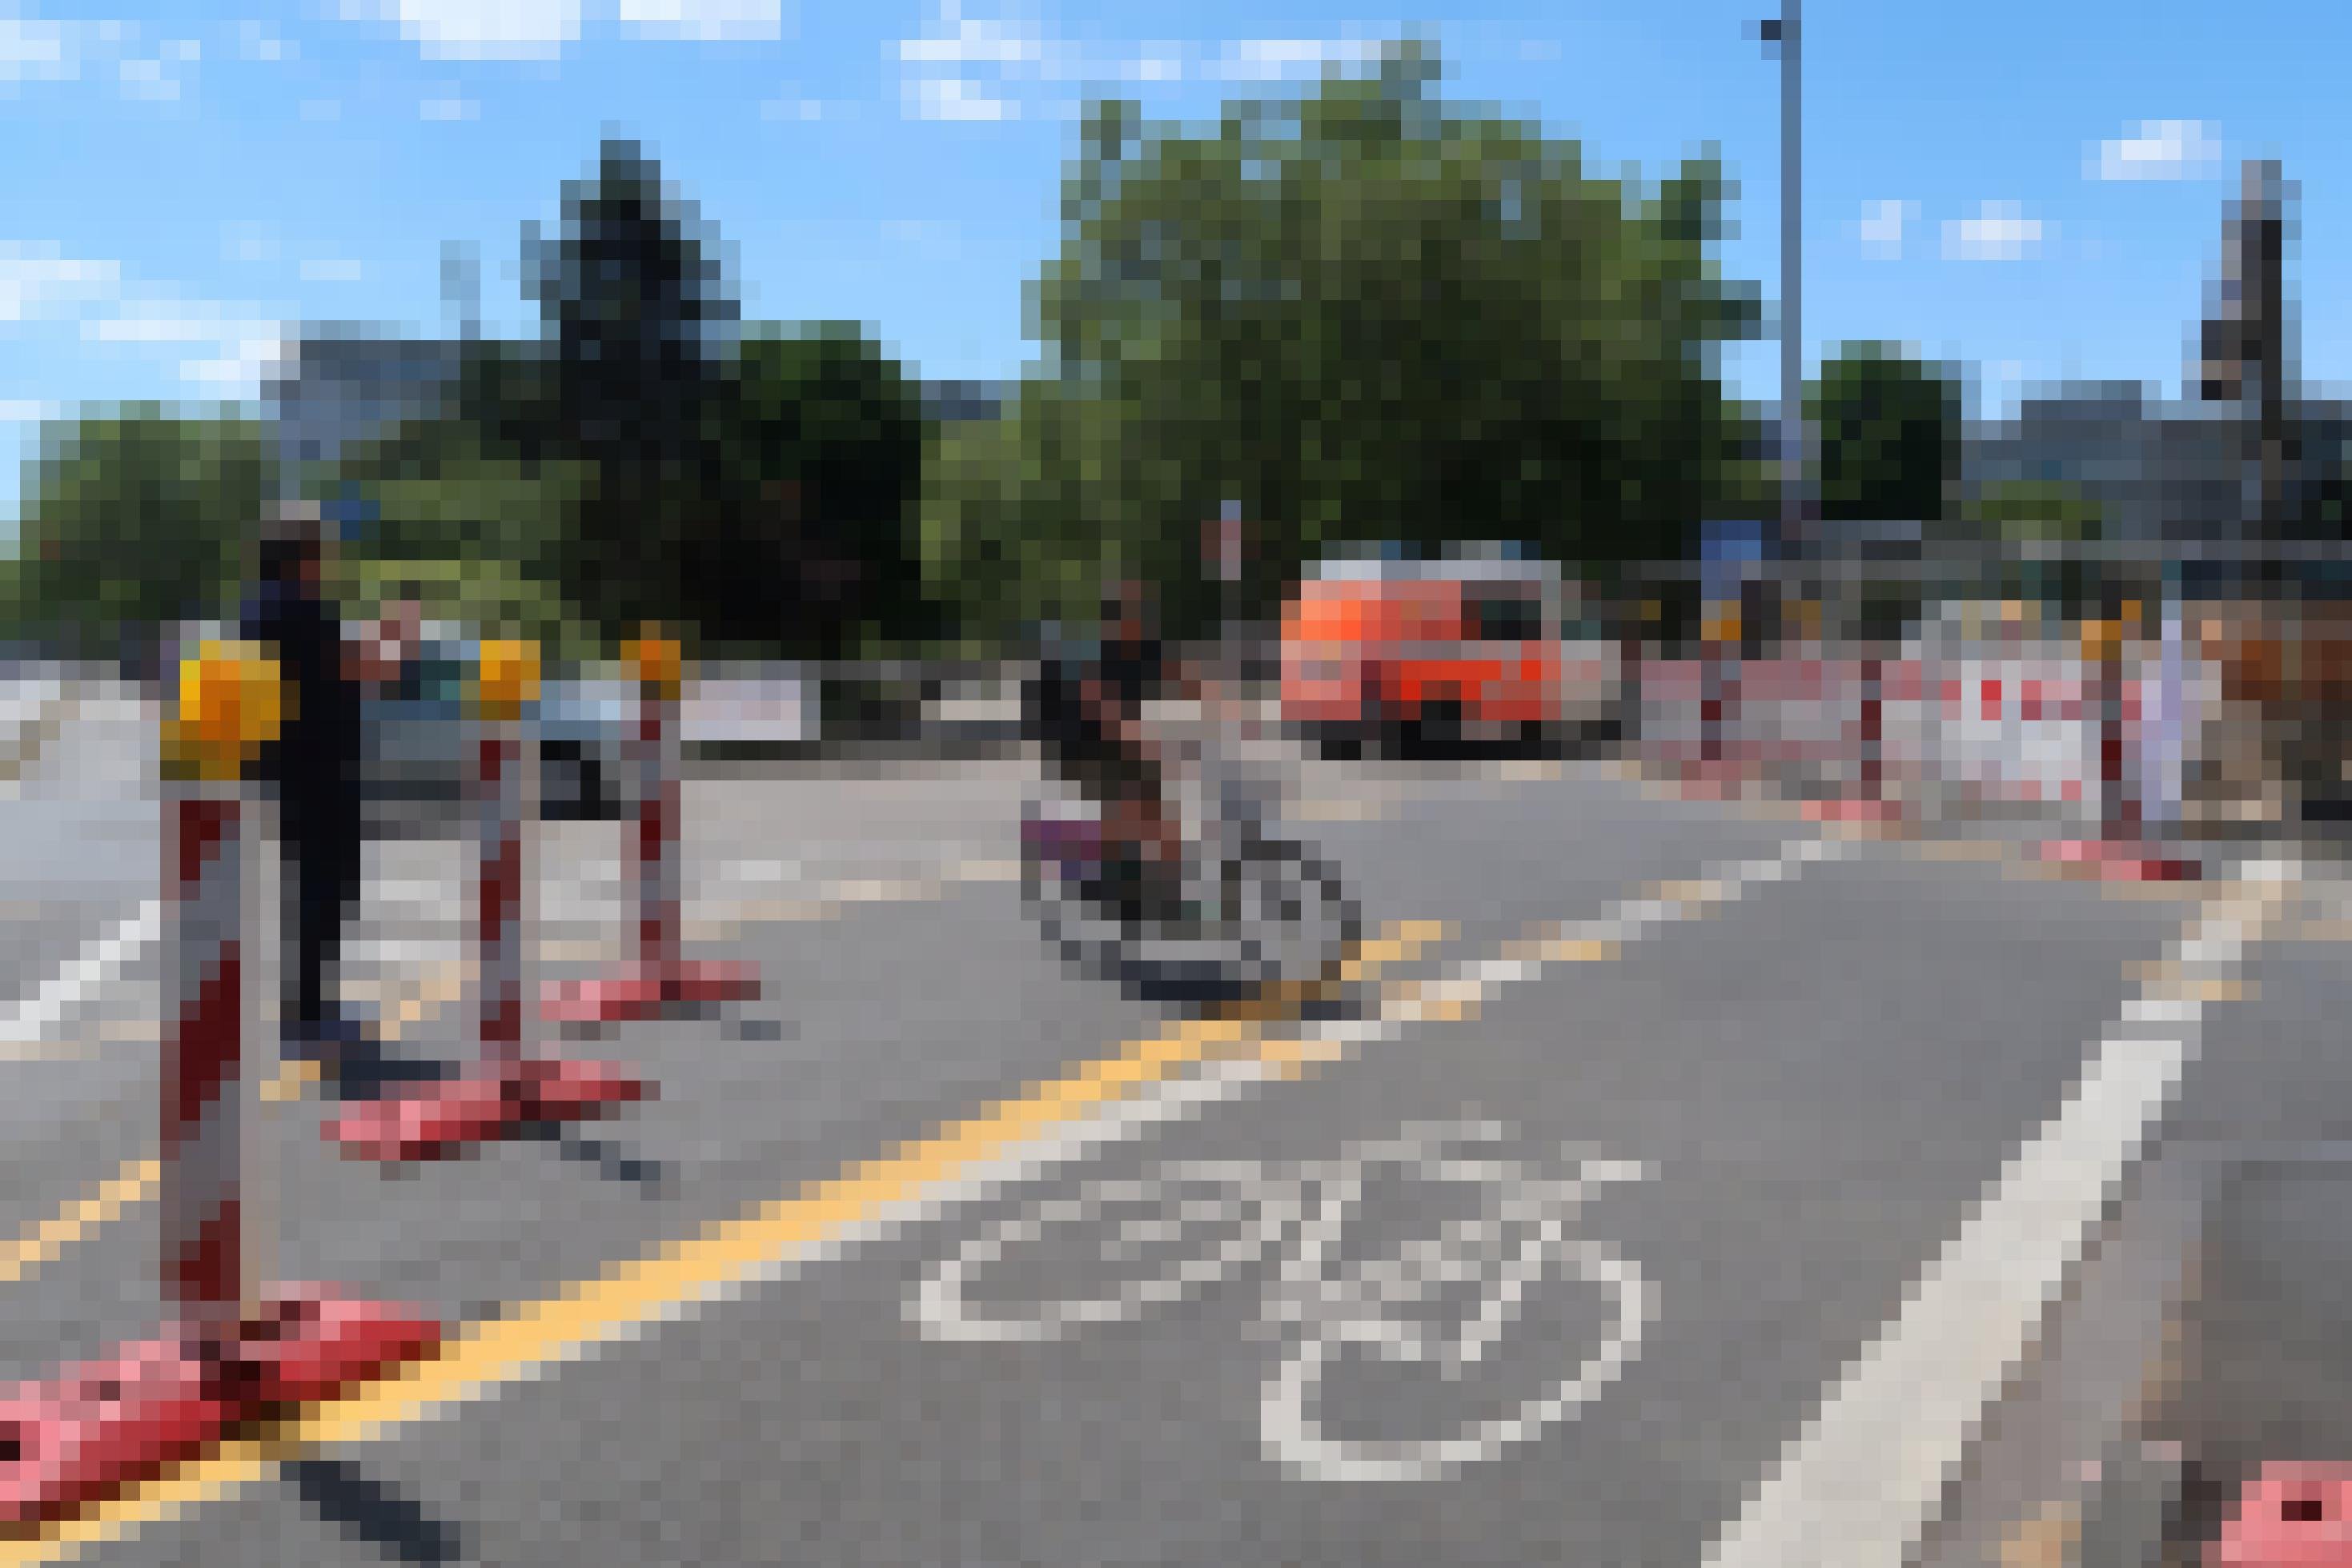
{"points": [[134, 518], [1364, 317], [1890, 435]]}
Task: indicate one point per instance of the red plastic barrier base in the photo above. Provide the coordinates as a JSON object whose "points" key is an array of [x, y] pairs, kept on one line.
{"points": [[437, 1121], [108, 1425], [649, 990], [2114, 860], [2290, 1516]]}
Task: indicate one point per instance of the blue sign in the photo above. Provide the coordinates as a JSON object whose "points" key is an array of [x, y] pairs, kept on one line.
{"points": [[1728, 552], [1731, 541]]}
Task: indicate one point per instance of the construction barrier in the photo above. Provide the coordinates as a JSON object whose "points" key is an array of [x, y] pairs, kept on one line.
{"points": [[660, 979], [511, 1088], [2123, 848], [234, 1349], [2092, 741]]}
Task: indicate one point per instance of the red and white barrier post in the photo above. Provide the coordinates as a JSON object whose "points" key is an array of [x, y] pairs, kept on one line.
{"points": [[1874, 731], [500, 884], [201, 1208], [660, 979], [512, 1086], [233, 1350], [657, 819], [2122, 851], [1867, 800]]}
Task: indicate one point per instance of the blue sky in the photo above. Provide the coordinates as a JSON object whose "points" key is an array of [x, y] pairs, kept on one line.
{"points": [[2034, 190]]}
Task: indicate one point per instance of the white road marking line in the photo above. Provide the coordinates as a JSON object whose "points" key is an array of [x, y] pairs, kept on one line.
{"points": [[1862, 1481], [97, 963], [1125, 1116], [30, 1034]]}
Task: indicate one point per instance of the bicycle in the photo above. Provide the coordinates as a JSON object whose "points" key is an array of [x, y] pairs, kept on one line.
{"points": [[1275, 915], [1322, 1302]]}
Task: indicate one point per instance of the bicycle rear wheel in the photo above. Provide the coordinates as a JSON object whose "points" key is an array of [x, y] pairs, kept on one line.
{"points": [[1275, 916], [1108, 1253]]}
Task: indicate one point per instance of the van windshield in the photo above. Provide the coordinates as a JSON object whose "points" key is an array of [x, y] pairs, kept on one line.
{"points": [[1504, 617]]}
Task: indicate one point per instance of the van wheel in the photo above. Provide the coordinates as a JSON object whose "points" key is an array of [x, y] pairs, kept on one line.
{"points": [[1438, 729]]}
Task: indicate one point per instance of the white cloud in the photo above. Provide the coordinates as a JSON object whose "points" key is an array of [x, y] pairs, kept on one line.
{"points": [[207, 343], [955, 99], [1154, 62], [332, 269], [476, 29], [148, 80], [256, 41], [1278, 59], [541, 30], [158, 321], [238, 373], [708, 21], [974, 42], [965, 67], [251, 243], [35, 50], [36, 281], [1881, 228], [2160, 150], [449, 108], [26, 410], [2000, 232]]}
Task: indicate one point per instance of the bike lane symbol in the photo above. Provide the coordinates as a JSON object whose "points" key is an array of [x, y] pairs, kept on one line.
{"points": [[1198, 1223]]}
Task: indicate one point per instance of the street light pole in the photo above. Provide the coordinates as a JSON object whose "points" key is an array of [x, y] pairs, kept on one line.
{"points": [[1792, 270], [1788, 31]]}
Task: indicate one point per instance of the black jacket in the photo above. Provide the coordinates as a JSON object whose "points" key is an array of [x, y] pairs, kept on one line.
{"points": [[316, 758]]}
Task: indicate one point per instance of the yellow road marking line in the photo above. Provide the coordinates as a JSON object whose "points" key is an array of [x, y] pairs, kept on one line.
{"points": [[488, 1353], [137, 1180], [528, 1337], [48, 1240]]}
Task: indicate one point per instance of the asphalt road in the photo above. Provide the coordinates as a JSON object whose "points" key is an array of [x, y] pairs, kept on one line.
{"points": [[1715, 1142]]}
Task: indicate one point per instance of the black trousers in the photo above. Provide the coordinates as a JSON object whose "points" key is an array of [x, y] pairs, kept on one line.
{"points": [[323, 864]]}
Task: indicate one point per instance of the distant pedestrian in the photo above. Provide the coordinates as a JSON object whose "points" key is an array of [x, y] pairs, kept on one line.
{"points": [[314, 766]]}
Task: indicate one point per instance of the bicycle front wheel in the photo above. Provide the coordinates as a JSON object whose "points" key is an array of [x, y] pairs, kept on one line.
{"points": [[1300, 1431], [1291, 923]]}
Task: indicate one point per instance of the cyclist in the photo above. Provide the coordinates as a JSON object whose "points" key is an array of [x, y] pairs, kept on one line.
{"points": [[1086, 714]]}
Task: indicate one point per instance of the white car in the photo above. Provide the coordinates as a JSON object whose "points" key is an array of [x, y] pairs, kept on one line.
{"points": [[416, 746]]}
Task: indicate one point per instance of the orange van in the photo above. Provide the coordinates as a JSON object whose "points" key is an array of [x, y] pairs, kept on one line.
{"points": [[1383, 650]]}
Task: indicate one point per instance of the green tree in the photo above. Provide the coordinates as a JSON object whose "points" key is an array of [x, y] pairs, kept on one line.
{"points": [[639, 323], [811, 542], [1008, 536], [138, 518], [2026, 511], [445, 489], [1364, 316], [1890, 435], [473, 507]]}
